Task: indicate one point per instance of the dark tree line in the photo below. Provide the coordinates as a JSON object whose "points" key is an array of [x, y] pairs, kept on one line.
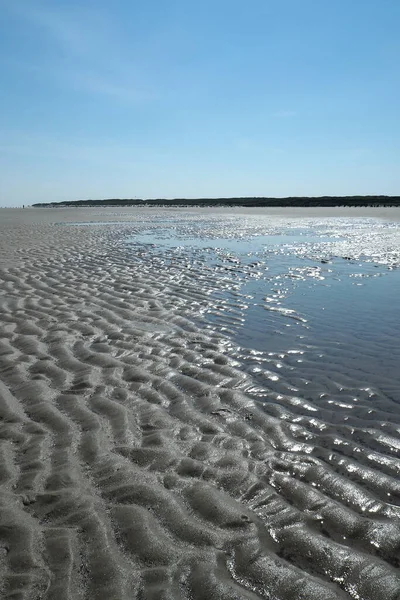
{"points": [[292, 201]]}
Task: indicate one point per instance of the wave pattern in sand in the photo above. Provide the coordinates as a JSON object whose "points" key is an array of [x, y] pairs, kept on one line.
{"points": [[145, 456]]}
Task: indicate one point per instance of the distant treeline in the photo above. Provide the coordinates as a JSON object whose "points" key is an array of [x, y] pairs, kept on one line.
{"points": [[292, 201]]}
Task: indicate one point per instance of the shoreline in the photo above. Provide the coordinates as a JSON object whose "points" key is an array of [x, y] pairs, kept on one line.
{"points": [[49, 215]]}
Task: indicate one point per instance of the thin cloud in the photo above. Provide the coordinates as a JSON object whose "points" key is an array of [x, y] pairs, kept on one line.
{"points": [[92, 82], [71, 30], [252, 145], [284, 114], [41, 146], [102, 152], [92, 57]]}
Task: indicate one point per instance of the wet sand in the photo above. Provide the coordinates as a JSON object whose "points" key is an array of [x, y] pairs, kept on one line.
{"points": [[145, 455]]}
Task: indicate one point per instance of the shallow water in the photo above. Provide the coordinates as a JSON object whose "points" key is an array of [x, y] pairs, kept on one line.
{"points": [[240, 246], [304, 288], [278, 289]]}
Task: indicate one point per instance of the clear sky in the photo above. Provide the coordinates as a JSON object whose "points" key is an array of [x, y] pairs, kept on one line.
{"points": [[190, 98]]}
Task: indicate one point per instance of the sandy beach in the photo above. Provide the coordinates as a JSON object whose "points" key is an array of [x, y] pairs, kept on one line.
{"points": [[136, 461]]}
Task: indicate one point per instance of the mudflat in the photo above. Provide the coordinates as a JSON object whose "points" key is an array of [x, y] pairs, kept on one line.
{"points": [[181, 420]]}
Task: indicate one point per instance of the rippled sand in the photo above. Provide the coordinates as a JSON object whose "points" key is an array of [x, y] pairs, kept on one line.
{"points": [[184, 420]]}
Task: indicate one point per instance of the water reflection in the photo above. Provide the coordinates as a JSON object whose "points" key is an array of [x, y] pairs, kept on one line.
{"points": [[276, 288]]}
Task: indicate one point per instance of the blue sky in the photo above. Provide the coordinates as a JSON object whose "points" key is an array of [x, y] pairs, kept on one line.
{"points": [[181, 98]]}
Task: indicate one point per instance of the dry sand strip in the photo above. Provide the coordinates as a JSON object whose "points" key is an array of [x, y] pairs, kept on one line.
{"points": [[132, 464]]}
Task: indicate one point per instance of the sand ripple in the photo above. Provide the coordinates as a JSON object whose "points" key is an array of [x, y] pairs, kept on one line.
{"points": [[144, 454]]}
